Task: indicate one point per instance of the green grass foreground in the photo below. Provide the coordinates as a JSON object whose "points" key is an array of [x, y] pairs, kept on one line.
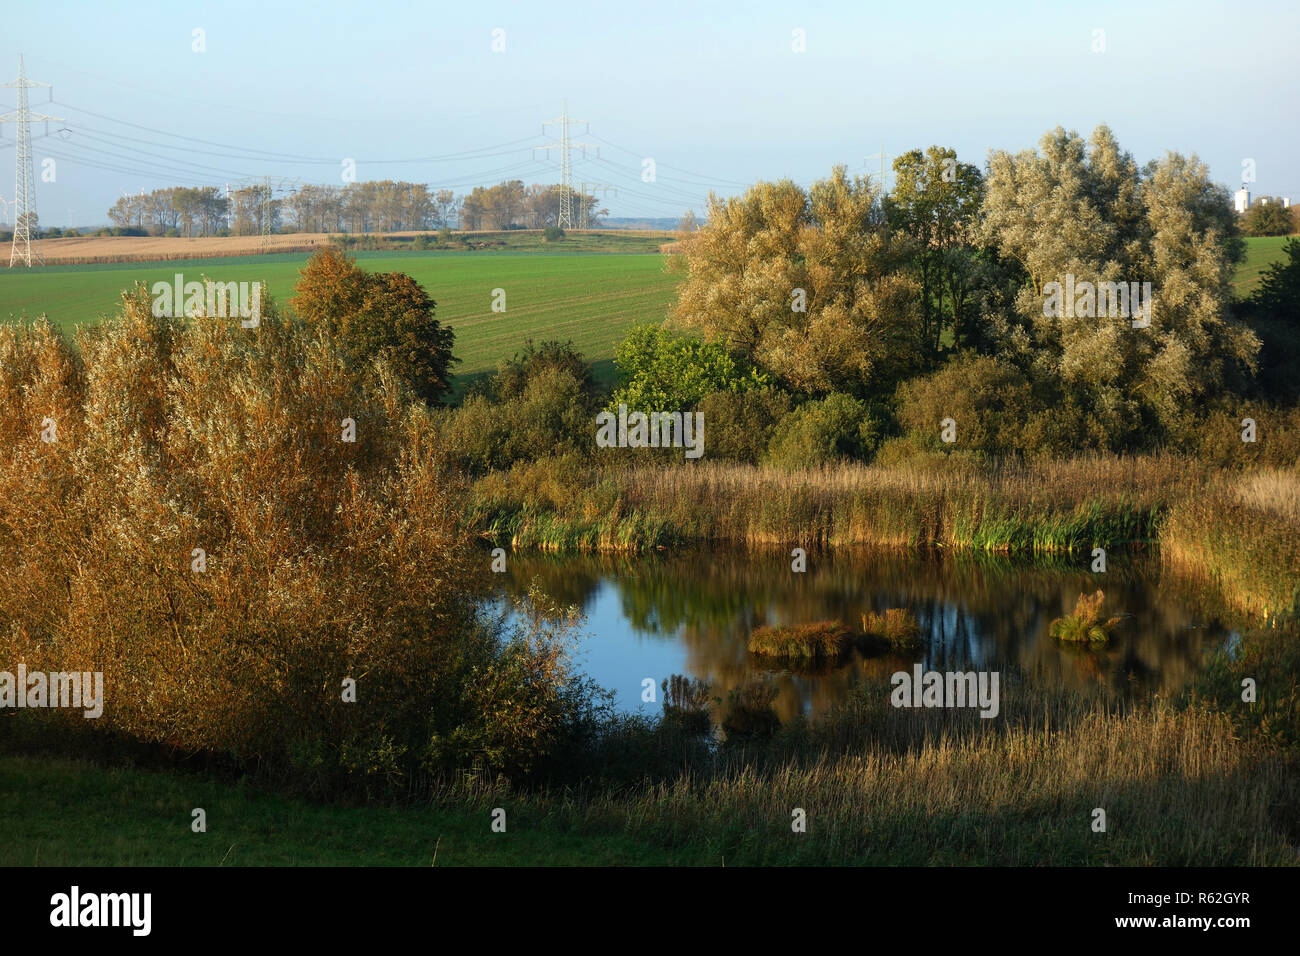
{"points": [[1179, 788], [73, 813]]}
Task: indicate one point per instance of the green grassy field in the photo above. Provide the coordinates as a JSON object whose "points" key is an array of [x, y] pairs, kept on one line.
{"points": [[591, 299], [1260, 252]]}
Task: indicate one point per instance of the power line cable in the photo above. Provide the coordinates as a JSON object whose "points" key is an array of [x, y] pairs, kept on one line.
{"points": [[291, 157]]}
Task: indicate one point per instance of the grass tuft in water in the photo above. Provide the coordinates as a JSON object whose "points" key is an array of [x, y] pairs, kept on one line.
{"points": [[1086, 623], [818, 641], [895, 627]]}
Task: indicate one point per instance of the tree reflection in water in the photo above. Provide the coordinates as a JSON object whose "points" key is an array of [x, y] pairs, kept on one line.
{"points": [[975, 613]]}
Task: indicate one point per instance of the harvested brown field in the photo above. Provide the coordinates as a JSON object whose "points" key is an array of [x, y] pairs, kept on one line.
{"points": [[108, 249], [90, 249]]}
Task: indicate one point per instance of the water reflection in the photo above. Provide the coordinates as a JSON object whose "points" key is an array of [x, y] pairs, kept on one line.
{"points": [[692, 613]]}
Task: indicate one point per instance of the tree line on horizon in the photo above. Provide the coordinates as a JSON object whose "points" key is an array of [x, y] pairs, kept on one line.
{"points": [[372, 206]]}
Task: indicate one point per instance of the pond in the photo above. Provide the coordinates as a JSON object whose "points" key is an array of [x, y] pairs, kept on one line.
{"points": [[692, 613]]}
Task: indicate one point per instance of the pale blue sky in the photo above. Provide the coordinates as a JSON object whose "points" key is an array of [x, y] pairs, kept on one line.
{"points": [[713, 89]]}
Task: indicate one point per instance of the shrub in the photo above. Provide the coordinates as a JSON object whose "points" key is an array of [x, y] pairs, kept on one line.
{"points": [[739, 424], [321, 559], [911, 452], [549, 416], [552, 234], [820, 432], [686, 703], [1216, 438], [665, 372], [513, 375], [988, 400], [1267, 218], [521, 705], [538, 404], [749, 712]]}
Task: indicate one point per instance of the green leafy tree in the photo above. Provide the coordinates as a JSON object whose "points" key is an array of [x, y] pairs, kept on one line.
{"points": [[935, 208], [667, 372], [1267, 217]]}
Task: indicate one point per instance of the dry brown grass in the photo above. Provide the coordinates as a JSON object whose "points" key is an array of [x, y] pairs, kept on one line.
{"points": [[1178, 788], [1241, 532], [1272, 490], [950, 503]]}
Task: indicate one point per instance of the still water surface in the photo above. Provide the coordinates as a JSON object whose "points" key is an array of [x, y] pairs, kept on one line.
{"points": [[691, 613]]}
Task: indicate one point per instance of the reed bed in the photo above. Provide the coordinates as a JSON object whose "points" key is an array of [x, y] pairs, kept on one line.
{"points": [[895, 626], [1086, 624], [1179, 786], [1053, 507], [1242, 534]]}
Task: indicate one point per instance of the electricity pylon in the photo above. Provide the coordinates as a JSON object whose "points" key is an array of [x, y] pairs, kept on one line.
{"points": [[266, 186], [602, 188], [883, 157], [566, 165], [24, 187]]}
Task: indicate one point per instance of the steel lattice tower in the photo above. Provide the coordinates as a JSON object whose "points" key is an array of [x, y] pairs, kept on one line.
{"points": [[24, 186], [566, 163], [266, 187]]}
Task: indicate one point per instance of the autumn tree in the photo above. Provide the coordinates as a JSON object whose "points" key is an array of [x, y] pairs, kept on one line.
{"points": [[385, 316], [446, 208]]}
